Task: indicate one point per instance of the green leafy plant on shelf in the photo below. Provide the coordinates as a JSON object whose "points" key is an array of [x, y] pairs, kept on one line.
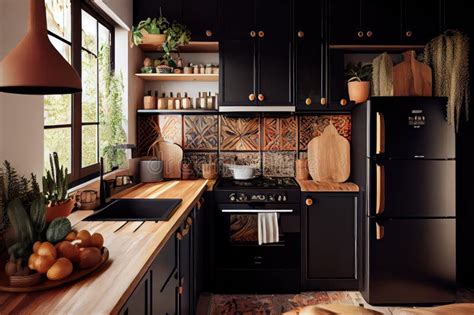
{"points": [[359, 72], [153, 26], [56, 181], [176, 35]]}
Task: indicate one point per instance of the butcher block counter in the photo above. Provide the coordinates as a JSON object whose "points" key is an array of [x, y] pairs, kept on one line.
{"points": [[312, 186], [132, 246]]}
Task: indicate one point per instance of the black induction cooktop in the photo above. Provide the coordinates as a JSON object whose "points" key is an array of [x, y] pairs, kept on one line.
{"points": [[136, 210]]}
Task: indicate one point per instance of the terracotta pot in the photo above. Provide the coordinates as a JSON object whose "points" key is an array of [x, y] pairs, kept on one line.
{"points": [[152, 39], [62, 210], [358, 91]]}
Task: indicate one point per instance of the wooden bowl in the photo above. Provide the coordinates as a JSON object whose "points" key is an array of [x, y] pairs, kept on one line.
{"points": [[26, 281]]}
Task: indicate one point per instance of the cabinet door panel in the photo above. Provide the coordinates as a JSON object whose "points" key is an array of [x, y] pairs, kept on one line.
{"points": [[237, 19], [201, 18], [275, 72], [382, 19], [237, 79], [309, 54], [331, 242], [344, 22], [421, 20], [139, 302], [274, 18]]}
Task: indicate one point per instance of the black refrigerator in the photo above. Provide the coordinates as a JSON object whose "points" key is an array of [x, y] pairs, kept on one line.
{"points": [[403, 152]]}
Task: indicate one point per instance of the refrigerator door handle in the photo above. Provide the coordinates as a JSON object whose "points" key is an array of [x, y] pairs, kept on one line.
{"points": [[379, 231], [380, 195], [380, 134]]}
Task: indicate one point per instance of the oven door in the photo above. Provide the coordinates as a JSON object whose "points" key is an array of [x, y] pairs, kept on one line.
{"points": [[237, 237]]}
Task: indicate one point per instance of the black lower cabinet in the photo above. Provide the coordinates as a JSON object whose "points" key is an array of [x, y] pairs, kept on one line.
{"points": [[185, 289], [140, 300], [330, 241]]}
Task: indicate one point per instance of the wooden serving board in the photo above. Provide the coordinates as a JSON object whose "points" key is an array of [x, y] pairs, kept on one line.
{"points": [[411, 77], [50, 284], [329, 157], [172, 155]]}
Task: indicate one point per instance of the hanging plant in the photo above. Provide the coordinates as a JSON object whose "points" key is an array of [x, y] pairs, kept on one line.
{"points": [[140, 34], [176, 35]]}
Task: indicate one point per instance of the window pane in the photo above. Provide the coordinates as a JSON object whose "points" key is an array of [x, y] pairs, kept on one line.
{"points": [[63, 48], [58, 140], [89, 32], [89, 145], [104, 36], [57, 109], [58, 15], [89, 88]]}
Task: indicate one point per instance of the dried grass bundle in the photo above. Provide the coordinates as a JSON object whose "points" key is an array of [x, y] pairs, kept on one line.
{"points": [[448, 56], [382, 75]]}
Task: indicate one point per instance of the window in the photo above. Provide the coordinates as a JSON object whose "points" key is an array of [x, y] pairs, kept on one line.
{"points": [[73, 123]]}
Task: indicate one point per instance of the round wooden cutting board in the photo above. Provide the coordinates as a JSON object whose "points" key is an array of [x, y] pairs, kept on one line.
{"points": [[50, 284], [329, 157]]}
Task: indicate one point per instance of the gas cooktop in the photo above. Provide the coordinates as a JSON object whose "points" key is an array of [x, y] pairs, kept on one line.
{"points": [[257, 183]]}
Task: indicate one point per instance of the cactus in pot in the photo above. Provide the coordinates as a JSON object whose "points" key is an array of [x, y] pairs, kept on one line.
{"points": [[55, 186]]}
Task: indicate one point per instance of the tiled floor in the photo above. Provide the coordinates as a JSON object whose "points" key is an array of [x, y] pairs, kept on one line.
{"points": [[213, 304]]}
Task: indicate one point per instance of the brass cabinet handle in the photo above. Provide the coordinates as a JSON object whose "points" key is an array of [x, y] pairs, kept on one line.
{"points": [[300, 34], [409, 34], [379, 231], [323, 101], [380, 189], [360, 34], [252, 97], [261, 97], [379, 134], [261, 34], [180, 290], [308, 101], [208, 33], [179, 236], [343, 102], [309, 201], [370, 34], [189, 220], [253, 34]]}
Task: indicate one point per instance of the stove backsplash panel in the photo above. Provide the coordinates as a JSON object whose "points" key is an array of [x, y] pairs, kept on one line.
{"points": [[269, 143]]}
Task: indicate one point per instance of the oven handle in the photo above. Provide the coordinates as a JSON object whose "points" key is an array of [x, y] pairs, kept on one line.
{"points": [[256, 210]]}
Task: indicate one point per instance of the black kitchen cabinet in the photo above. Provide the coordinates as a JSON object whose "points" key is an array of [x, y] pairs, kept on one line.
{"points": [[237, 75], [143, 9], [344, 23], [186, 268], [139, 303], [310, 51], [201, 17], [256, 53], [330, 241], [380, 21], [421, 21]]}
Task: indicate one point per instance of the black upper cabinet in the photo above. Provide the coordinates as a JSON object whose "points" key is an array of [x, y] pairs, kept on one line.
{"points": [[309, 55], [344, 21], [274, 19], [237, 19], [201, 18], [421, 20], [274, 75], [143, 9], [237, 75], [380, 21]]}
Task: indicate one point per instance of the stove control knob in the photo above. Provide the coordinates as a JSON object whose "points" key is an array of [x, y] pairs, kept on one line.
{"points": [[284, 198], [242, 197], [232, 197], [280, 198], [271, 197], [261, 197]]}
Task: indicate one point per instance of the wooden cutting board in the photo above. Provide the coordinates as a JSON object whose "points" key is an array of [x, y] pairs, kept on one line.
{"points": [[329, 157], [172, 155], [411, 77]]}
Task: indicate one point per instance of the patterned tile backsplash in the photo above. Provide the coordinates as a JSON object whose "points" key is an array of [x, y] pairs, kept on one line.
{"points": [[269, 143]]}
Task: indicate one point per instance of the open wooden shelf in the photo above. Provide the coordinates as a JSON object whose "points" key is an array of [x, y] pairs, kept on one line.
{"points": [[192, 47], [177, 77], [377, 47]]}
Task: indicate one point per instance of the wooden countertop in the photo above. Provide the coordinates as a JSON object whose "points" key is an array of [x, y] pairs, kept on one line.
{"points": [[133, 246], [312, 186]]}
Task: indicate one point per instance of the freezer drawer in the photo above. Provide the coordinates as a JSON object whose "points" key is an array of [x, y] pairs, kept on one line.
{"points": [[412, 188], [410, 127], [410, 261]]}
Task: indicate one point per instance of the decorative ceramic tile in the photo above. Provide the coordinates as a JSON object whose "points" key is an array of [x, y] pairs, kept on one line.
{"points": [[171, 127], [279, 134], [240, 134], [241, 158], [279, 164], [198, 159], [313, 126], [200, 132], [148, 132]]}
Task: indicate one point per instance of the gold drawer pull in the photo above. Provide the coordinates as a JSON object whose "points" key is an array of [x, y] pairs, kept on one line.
{"points": [[309, 201], [179, 236], [261, 34], [253, 34], [409, 34], [208, 33], [261, 97], [308, 101], [300, 34], [323, 101], [370, 34], [343, 102], [379, 231], [360, 34], [252, 97]]}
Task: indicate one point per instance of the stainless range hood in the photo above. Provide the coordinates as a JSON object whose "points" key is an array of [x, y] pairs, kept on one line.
{"points": [[256, 109]]}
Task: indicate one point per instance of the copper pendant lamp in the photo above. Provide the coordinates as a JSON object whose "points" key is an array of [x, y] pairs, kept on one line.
{"points": [[34, 66]]}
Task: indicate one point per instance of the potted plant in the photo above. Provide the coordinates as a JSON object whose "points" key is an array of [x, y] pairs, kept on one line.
{"points": [[358, 82], [149, 32], [55, 185]]}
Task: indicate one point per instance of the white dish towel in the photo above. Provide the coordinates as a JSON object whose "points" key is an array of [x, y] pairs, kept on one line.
{"points": [[268, 231]]}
